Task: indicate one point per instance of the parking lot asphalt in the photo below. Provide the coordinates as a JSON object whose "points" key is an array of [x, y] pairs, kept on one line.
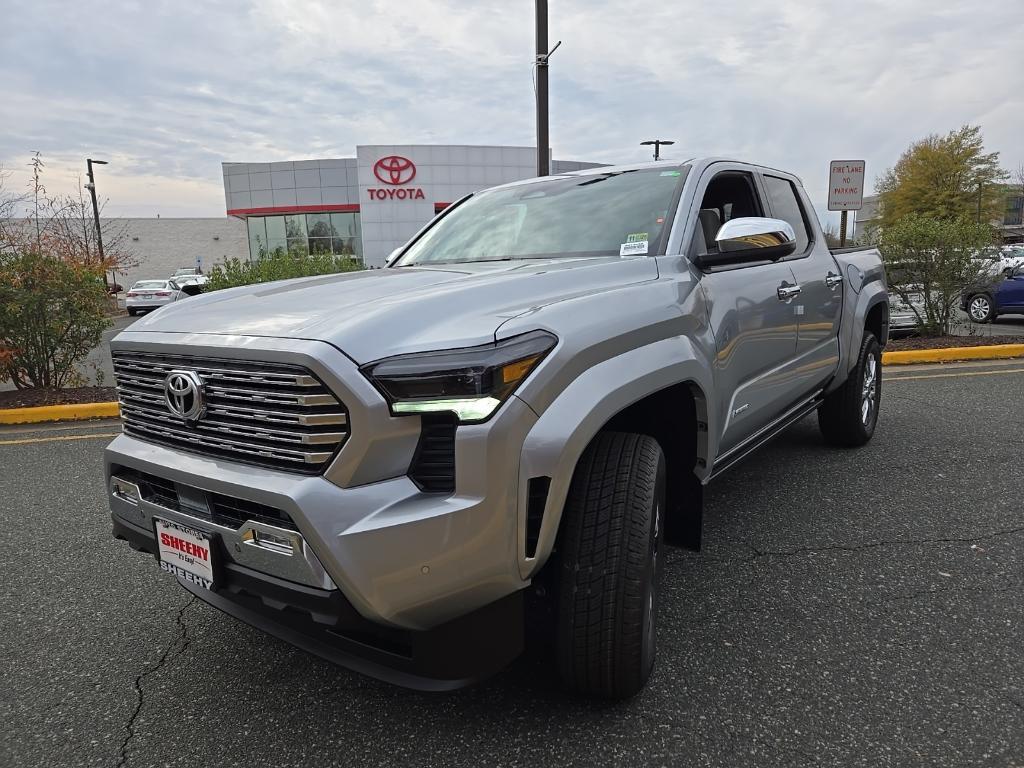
{"points": [[850, 608]]}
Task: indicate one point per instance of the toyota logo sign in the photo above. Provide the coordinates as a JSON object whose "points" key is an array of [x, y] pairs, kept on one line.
{"points": [[183, 393], [394, 169]]}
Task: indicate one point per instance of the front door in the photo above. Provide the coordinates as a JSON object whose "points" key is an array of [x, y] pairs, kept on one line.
{"points": [[753, 322]]}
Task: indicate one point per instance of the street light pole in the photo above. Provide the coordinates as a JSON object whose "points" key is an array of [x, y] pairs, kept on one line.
{"points": [[657, 144], [91, 186], [541, 62]]}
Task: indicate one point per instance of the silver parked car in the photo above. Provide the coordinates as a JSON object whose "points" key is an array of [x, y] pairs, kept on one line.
{"points": [[150, 294]]}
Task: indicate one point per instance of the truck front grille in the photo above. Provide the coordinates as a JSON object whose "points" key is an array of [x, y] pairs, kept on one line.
{"points": [[268, 414]]}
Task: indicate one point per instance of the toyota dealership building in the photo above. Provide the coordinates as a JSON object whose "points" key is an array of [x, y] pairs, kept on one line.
{"points": [[369, 204]]}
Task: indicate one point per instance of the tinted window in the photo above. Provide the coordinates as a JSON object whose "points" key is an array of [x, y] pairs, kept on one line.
{"points": [[786, 206]]}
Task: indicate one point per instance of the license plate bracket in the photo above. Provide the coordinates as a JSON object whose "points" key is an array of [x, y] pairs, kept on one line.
{"points": [[186, 552]]}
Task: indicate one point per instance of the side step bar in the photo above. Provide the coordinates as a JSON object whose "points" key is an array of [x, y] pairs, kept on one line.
{"points": [[765, 434]]}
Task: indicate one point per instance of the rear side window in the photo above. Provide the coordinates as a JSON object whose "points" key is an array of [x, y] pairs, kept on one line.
{"points": [[786, 206]]}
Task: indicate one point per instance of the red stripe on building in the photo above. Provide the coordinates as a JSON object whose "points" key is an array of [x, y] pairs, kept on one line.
{"points": [[341, 208], [438, 207]]}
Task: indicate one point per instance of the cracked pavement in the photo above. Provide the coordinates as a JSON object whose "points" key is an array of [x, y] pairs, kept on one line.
{"points": [[851, 608]]}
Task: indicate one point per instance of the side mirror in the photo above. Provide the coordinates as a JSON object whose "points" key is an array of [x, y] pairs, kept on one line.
{"points": [[751, 238]]}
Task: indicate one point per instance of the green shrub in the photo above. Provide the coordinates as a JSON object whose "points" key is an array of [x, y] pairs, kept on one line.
{"points": [[52, 314], [278, 265], [930, 261]]}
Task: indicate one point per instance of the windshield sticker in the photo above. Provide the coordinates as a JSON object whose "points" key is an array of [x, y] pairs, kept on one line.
{"points": [[669, 173], [636, 237], [636, 248]]}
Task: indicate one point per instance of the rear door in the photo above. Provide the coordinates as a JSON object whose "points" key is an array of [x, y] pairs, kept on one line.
{"points": [[755, 330], [819, 305]]}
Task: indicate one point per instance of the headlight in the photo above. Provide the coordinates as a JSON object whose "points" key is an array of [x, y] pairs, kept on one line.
{"points": [[470, 382]]}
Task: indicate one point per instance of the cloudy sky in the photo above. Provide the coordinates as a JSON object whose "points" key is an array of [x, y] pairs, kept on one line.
{"points": [[166, 91]]}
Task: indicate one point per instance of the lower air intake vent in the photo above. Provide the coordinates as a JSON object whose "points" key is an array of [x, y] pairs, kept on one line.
{"points": [[433, 466]]}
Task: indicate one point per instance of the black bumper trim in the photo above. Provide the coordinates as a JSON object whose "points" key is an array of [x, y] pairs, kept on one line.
{"points": [[322, 622]]}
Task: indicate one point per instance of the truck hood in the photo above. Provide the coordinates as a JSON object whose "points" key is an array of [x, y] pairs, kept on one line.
{"points": [[381, 312]]}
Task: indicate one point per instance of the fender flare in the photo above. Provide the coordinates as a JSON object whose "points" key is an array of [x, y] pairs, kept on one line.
{"points": [[564, 430], [854, 322]]}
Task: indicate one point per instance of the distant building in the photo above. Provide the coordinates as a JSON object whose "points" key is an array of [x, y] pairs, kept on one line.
{"points": [[160, 246], [369, 204], [867, 217], [1011, 228]]}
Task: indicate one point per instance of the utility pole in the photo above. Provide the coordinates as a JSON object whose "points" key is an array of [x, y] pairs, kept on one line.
{"points": [[657, 144], [541, 63], [91, 186]]}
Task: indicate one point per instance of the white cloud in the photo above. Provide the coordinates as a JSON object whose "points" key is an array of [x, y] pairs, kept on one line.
{"points": [[168, 91]]}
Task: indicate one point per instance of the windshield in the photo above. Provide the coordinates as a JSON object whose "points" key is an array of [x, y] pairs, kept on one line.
{"points": [[620, 213], [150, 284]]}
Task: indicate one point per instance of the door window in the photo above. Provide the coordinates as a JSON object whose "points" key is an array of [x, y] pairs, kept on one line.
{"points": [[786, 206], [730, 195]]}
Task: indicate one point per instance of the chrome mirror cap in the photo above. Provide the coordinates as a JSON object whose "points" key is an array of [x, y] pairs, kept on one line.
{"points": [[753, 233]]}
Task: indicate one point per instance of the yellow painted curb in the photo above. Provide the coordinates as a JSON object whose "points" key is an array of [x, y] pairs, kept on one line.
{"points": [[73, 412], [950, 354]]}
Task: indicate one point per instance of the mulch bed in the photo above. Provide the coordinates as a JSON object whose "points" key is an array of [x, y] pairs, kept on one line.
{"points": [[943, 342], [31, 398]]}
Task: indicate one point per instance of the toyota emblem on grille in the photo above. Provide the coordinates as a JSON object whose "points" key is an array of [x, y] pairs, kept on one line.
{"points": [[394, 169], [183, 392]]}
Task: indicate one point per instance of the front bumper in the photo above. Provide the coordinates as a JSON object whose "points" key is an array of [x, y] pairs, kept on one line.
{"points": [[401, 558], [324, 623]]}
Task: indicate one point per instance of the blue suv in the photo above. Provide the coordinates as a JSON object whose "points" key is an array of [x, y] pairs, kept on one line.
{"points": [[1004, 297]]}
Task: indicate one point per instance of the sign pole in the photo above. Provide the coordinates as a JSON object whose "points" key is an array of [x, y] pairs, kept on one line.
{"points": [[845, 191]]}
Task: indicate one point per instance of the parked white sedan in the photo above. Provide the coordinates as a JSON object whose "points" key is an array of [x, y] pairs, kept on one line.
{"points": [[150, 294]]}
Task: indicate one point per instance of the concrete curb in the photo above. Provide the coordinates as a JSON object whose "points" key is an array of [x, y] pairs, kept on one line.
{"points": [[84, 411], [73, 412], [953, 354]]}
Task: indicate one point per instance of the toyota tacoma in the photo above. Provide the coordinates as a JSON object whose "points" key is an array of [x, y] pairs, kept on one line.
{"points": [[404, 469]]}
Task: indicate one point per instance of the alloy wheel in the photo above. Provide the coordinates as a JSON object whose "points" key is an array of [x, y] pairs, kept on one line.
{"points": [[869, 390], [980, 308]]}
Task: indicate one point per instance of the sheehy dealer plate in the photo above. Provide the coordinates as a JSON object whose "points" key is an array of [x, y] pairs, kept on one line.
{"points": [[185, 552]]}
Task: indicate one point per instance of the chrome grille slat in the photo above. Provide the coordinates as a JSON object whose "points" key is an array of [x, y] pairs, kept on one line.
{"points": [[270, 414], [242, 430]]}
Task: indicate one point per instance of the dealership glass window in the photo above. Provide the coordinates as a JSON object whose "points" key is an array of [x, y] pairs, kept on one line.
{"points": [[276, 237], [295, 227], [306, 233], [319, 245], [319, 225], [257, 235]]}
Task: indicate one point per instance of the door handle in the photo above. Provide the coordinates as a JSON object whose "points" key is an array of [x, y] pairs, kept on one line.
{"points": [[787, 291], [832, 280]]}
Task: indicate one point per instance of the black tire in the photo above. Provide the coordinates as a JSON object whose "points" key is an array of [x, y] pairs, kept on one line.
{"points": [[980, 308], [131, 312], [842, 417], [610, 552]]}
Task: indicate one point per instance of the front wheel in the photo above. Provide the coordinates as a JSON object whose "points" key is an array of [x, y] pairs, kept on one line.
{"points": [[980, 308], [849, 415], [610, 566]]}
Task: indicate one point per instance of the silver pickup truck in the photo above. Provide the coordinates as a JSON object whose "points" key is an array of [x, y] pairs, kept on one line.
{"points": [[393, 468]]}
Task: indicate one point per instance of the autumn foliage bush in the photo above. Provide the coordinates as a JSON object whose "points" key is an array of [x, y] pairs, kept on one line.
{"points": [[52, 313]]}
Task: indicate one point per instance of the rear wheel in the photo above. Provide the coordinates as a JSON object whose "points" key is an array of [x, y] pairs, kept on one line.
{"points": [[610, 566], [131, 312], [980, 308], [849, 415]]}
